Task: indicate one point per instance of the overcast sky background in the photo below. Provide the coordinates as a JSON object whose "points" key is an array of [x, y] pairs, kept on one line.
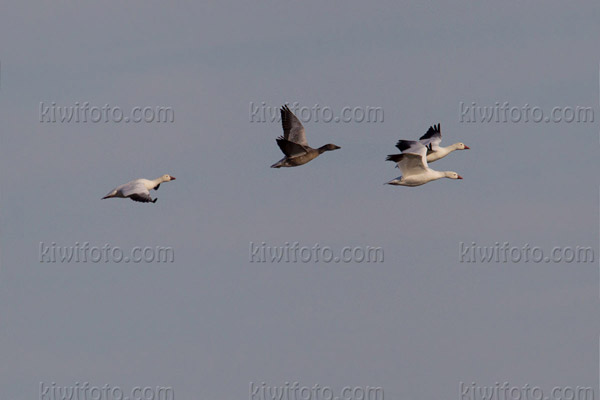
{"points": [[211, 322]]}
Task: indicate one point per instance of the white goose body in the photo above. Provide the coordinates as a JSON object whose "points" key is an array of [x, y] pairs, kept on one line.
{"points": [[441, 152], [413, 164], [139, 189], [432, 140]]}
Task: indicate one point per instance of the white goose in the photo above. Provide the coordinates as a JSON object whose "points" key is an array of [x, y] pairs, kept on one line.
{"points": [[413, 164], [139, 189], [432, 140]]}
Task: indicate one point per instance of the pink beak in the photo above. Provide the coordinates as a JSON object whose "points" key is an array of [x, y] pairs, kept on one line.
{"points": [[467, 147], [460, 177], [172, 178]]}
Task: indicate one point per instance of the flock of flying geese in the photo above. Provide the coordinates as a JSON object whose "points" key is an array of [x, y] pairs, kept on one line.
{"points": [[412, 161]]}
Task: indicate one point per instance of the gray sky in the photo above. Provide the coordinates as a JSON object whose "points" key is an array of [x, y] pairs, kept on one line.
{"points": [[211, 322]]}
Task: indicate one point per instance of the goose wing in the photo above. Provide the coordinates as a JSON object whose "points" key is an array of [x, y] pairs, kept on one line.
{"points": [[137, 191], [409, 146], [289, 148], [142, 198], [413, 160], [292, 127], [432, 138]]}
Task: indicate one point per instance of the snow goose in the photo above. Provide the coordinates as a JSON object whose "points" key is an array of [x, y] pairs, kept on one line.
{"points": [[413, 164], [432, 140], [139, 189], [293, 143]]}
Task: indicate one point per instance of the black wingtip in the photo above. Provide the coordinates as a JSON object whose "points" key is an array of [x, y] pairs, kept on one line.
{"points": [[154, 201], [394, 157], [433, 130], [404, 144]]}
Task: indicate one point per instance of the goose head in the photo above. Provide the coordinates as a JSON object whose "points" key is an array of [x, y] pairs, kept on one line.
{"points": [[452, 175], [167, 178], [328, 147], [461, 146]]}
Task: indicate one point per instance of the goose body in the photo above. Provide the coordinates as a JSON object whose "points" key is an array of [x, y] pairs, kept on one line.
{"points": [[413, 164], [139, 189], [432, 139], [293, 143]]}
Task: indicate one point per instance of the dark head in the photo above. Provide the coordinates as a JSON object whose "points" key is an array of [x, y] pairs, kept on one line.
{"points": [[328, 147]]}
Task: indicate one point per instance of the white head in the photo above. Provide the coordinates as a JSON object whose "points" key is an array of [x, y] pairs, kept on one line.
{"points": [[167, 178], [452, 175], [461, 146]]}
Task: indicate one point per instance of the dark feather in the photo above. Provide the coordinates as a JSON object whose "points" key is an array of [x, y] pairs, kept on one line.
{"points": [[142, 198], [286, 120], [433, 130], [290, 148], [394, 157], [405, 144]]}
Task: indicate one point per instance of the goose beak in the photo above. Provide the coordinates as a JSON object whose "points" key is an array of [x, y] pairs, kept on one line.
{"points": [[460, 177], [467, 147], [172, 178]]}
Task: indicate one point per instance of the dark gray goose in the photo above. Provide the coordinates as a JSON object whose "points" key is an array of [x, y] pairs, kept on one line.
{"points": [[293, 143]]}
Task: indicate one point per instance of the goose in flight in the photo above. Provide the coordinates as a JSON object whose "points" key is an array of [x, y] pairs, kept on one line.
{"points": [[139, 189], [432, 140], [413, 164], [293, 143]]}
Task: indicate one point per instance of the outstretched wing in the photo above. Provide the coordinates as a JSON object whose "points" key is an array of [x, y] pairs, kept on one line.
{"points": [[413, 160], [290, 149], [292, 127], [432, 138], [409, 146], [409, 164]]}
